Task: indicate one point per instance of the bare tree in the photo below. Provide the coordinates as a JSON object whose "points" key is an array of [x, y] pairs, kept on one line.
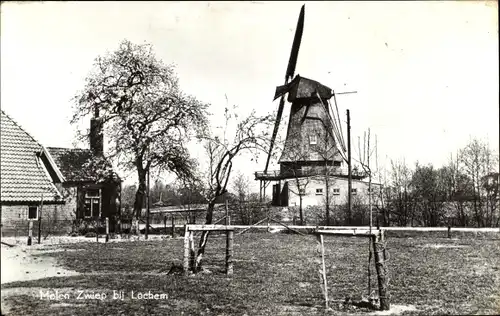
{"points": [[364, 160], [478, 161], [490, 185], [429, 194], [326, 149], [457, 190], [241, 185], [400, 195], [246, 204], [301, 176], [147, 116], [249, 134], [382, 192]]}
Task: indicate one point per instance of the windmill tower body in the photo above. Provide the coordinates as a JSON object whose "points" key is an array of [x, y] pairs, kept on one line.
{"points": [[309, 146], [309, 149]]}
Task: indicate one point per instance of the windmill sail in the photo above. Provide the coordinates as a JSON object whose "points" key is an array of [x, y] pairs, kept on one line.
{"points": [[292, 62]]}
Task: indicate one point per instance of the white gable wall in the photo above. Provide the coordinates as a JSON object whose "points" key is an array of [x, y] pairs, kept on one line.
{"points": [[313, 197]]}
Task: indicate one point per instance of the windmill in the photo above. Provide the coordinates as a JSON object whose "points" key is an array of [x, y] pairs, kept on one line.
{"points": [[311, 120]]}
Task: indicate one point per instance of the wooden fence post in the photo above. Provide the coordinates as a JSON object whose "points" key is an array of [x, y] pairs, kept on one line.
{"points": [[381, 267], [165, 224], [40, 221], [449, 231], [191, 250], [107, 229], [229, 251], [173, 226], [186, 251], [30, 232], [137, 228], [322, 269], [39, 228]]}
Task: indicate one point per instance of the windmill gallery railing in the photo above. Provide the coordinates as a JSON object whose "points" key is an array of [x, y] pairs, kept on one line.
{"points": [[271, 175]]}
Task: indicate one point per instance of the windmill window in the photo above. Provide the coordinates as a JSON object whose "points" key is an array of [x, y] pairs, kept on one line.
{"points": [[313, 139], [336, 191], [319, 191], [354, 191], [33, 212]]}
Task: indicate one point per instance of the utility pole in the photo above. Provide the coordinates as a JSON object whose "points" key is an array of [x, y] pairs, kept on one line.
{"points": [[349, 179], [147, 208]]}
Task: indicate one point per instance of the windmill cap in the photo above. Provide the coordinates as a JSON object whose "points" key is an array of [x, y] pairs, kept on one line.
{"points": [[303, 88]]}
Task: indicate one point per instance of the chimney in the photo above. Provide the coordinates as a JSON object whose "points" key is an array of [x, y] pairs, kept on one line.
{"points": [[96, 136]]}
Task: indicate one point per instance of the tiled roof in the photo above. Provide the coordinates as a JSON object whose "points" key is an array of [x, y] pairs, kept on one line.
{"points": [[70, 161], [23, 175], [76, 165]]}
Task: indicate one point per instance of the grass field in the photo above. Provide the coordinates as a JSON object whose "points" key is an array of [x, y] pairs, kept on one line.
{"points": [[274, 274]]}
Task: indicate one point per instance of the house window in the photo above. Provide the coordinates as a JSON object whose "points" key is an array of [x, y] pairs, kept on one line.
{"points": [[313, 139], [354, 191], [336, 191], [92, 206], [33, 212], [319, 191]]}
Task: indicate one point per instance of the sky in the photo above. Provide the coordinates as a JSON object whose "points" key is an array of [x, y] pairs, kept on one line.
{"points": [[426, 73]]}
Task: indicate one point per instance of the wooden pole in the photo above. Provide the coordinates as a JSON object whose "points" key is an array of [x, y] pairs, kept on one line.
{"points": [[260, 191], [349, 179], [380, 266], [226, 208], [165, 223], [229, 251], [283, 224], [173, 225], [147, 210], [264, 191], [322, 270], [98, 224], [107, 229], [30, 232], [186, 251], [246, 229], [449, 231], [40, 221], [191, 249]]}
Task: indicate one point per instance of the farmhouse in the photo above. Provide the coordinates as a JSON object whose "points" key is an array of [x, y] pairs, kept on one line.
{"points": [[29, 179], [60, 186]]}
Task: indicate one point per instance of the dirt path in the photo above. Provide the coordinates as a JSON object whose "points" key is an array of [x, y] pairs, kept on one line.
{"points": [[20, 263]]}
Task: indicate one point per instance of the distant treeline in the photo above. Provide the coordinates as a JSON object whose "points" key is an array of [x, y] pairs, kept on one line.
{"points": [[464, 192]]}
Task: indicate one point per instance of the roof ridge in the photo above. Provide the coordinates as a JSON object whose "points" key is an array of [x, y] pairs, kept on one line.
{"points": [[21, 128]]}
